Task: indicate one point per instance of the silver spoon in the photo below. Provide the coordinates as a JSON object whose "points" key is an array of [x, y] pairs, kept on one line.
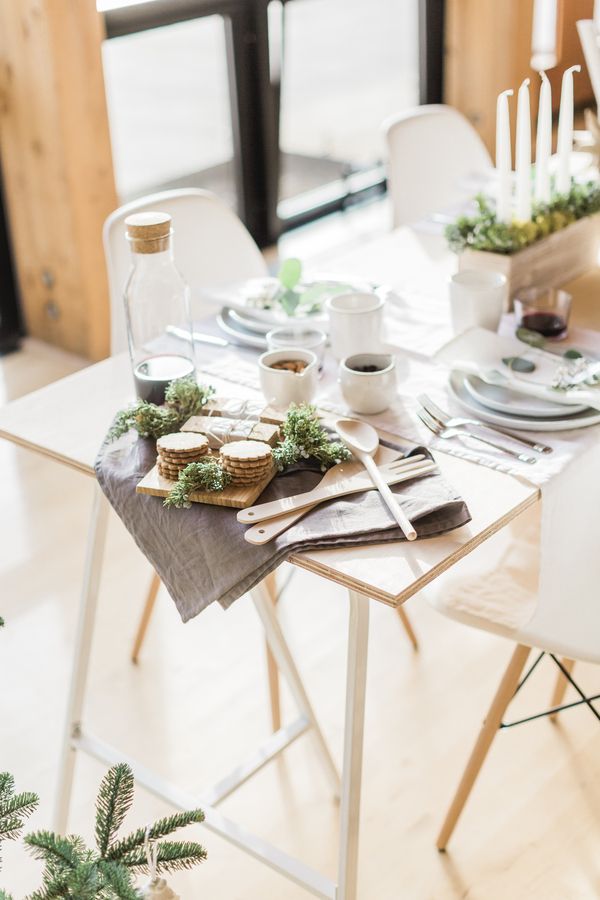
{"points": [[362, 440]]}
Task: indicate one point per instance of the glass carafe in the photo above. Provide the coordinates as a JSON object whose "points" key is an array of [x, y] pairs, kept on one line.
{"points": [[156, 297]]}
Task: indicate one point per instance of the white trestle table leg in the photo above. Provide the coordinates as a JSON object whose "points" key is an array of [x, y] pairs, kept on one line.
{"points": [[287, 667], [356, 681], [83, 641]]}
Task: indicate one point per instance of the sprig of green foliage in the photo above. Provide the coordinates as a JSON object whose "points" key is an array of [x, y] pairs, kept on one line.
{"points": [[14, 808], [305, 437], [184, 398], [73, 871], [206, 475], [484, 232]]}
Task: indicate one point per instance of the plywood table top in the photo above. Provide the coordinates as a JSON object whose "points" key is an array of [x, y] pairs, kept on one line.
{"points": [[67, 421]]}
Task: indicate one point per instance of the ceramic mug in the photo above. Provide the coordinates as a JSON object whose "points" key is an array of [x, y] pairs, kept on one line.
{"points": [[282, 387], [477, 299], [368, 382], [355, 322]]}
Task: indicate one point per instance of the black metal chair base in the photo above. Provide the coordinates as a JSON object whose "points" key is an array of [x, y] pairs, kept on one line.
{"points": [[588, 701]]}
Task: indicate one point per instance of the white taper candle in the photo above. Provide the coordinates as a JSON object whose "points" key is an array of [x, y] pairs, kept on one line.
{"points": [[503, 159], [589, 36], [543, 147], [523, 154], [565, 132]]}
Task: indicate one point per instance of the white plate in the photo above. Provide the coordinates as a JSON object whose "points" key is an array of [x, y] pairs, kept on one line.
{"points": [[513, 403], [239, 296], [246, 320], [458, 389], [238, 332]]}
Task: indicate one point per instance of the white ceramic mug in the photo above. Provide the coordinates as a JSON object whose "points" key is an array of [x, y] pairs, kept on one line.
{"points": [[368, 392], [282, 387], [355, 322], [477, 299]]}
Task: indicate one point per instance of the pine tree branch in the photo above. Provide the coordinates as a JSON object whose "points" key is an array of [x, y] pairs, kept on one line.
{"points": [[172, 856], [116, 877], [160, 829], [7, 786], [58, 852], [13, 812], [114, 800]]}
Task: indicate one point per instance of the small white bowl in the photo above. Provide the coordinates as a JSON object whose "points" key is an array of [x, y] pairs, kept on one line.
{"points": [[368, 392], [303, 338], [282, 387]]}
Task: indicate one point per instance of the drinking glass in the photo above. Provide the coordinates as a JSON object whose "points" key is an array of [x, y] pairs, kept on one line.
{"points": [[545, 310], [477, 299]]}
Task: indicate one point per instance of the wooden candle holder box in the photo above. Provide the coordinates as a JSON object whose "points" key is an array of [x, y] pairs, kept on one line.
{"points": [[549, 262]]}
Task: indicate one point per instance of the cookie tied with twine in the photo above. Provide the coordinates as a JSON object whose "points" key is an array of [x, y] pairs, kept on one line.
{"points": [[246, 461], [149, 232]]}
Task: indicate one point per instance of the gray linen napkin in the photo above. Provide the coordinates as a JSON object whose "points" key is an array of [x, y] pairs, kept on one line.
{"points": [[200, 553]]}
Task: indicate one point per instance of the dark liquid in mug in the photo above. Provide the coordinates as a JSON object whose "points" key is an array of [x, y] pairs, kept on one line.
{"points": [[366, 369], [152, 376], [548, 324]]}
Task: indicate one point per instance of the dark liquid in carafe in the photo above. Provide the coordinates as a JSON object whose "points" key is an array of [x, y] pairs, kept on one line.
{"points": [[153, 375], [545, 323]]}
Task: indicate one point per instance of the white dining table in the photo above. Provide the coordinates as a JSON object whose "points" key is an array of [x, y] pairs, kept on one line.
{"points": [[417, 265]]}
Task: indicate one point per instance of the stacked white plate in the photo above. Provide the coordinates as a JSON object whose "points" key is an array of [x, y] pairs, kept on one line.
{"points": [[510, 409], [245, 320]]}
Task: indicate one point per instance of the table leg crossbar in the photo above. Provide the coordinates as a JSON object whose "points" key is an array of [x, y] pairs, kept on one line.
{"points": [[76, 739]]}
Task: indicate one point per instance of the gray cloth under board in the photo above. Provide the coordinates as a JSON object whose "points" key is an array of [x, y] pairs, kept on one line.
{"points": [[200, 553]]}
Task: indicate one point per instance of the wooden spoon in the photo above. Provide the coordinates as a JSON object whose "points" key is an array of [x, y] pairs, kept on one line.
{"points": [[363, 441]]}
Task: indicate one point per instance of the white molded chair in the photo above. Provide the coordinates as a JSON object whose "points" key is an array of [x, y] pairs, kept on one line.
{"points": [[432, 152], [504, 600], [211, 244]]}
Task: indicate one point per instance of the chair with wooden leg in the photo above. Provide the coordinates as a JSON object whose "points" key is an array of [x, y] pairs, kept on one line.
{"points": [[213, 247], [505, 601]]}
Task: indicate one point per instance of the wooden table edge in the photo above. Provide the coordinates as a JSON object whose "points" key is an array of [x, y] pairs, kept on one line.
{"points": [[312, 565]]}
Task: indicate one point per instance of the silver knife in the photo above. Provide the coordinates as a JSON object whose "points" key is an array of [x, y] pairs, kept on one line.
{"points": [[199, 336]]}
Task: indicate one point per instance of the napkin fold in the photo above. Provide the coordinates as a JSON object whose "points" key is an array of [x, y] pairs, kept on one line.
{"points": [[480, 352], [200, 553]]}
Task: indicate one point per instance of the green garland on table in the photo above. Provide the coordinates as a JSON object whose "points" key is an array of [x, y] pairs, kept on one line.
{"points": [[184, 398], [305, 437], [484, 232], [207, 475]]}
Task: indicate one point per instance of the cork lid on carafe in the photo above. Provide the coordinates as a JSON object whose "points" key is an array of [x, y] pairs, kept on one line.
{"points": [[149, 232]]}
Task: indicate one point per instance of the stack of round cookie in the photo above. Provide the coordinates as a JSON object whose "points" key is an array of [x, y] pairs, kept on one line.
{"points": [[178, 450], [246, 461]]}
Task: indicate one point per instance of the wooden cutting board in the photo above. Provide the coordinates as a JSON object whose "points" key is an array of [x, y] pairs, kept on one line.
{"points": [[236, 496]]}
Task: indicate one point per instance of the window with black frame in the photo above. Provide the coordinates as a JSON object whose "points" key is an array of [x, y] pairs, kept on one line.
{"points": [[276, 106]]}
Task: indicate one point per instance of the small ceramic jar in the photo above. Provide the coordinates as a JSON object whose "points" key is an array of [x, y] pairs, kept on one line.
{"points": [[368, 382], [282, 386]]}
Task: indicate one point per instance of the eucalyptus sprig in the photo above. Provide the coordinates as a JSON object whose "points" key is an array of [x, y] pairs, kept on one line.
{"points": [[206, 475], [484, 232], [184, 398], [305, 437]]}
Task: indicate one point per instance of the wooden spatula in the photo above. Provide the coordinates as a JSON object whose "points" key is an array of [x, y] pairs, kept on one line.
{"points": [[393, 473], [262, 533]]}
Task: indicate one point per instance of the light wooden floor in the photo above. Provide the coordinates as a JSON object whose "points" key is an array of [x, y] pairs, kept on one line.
{"points": [[198, 699]]}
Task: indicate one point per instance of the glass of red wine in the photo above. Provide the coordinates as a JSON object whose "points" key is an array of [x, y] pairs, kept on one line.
{"points": [[545, 310]]}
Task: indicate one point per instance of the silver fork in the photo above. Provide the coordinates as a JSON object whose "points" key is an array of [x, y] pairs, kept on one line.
{"points": [[457, 422], [442, 432]]}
